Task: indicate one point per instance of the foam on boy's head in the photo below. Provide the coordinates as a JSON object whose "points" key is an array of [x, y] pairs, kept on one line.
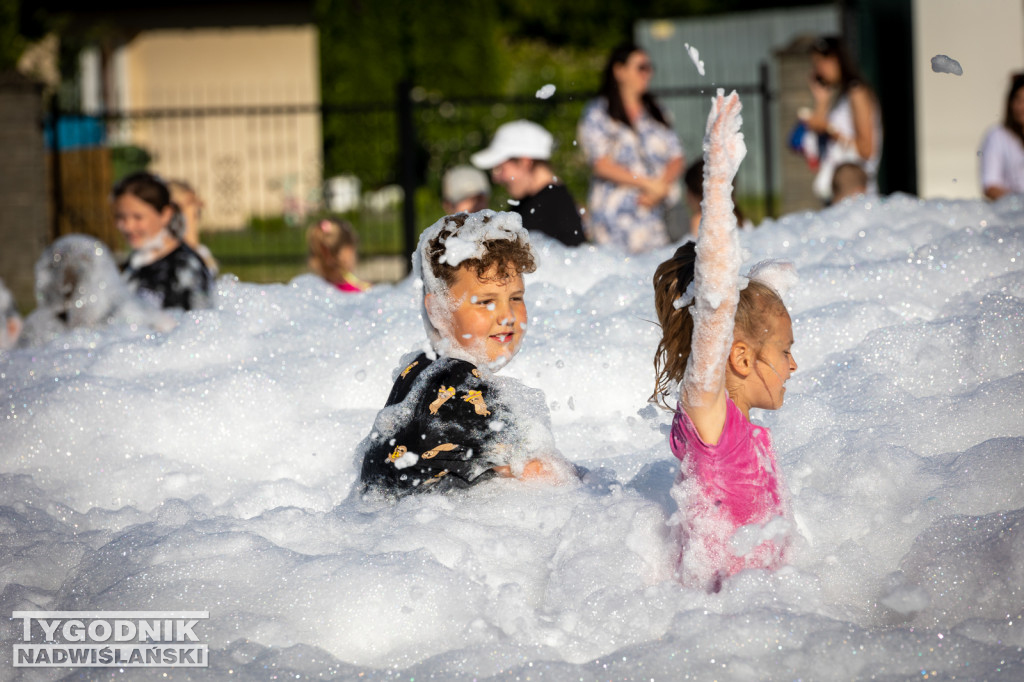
{"points": [[481, 241], [478, 240]]}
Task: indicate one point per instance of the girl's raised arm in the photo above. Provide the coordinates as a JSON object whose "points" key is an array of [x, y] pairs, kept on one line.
{"points": [[702, 393]]}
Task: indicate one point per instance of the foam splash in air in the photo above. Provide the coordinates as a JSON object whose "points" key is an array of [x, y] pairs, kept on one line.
{"points": [[546, 91], [943, 64], [695, 57]]}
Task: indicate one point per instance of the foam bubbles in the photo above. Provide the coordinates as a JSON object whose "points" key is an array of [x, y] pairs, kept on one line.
{"points": [[944, 64], [210, 467]]}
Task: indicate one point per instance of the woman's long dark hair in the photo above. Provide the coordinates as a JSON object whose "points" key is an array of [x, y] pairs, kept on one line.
{"points": [[833, 46], [610, 88], [1012, 124]]}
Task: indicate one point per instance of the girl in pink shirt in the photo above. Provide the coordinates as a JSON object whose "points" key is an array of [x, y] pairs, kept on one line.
{"points": [[333, 254], [726, 345]]}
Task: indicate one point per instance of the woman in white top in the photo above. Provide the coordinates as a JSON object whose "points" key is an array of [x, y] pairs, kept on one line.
{"points": [[846, 111], [1002, 152]]}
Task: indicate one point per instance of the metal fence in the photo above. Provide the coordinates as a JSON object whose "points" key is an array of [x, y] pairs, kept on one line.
{"points": [[261, 177]]}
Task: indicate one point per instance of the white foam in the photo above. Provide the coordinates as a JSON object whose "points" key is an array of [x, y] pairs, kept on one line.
{"points": [[945, 64], [209, 467], [694, 55], [546, 91]]}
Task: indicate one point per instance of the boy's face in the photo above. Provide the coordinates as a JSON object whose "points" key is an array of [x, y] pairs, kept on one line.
{"points": [[488, 316], [515, 175]]}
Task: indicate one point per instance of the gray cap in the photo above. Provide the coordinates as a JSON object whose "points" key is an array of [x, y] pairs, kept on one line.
{"points": [[463, 182]]}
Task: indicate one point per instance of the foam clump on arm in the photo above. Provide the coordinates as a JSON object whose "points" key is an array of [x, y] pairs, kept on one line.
{"points": [[716, 273]]}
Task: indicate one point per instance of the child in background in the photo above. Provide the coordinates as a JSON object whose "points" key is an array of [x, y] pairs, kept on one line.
{"points": [[728, 347], [849, 180], [333, 254], [162, 268], [78, 286], [464, 189], [10, 320], [191, 207], [449, 422]]}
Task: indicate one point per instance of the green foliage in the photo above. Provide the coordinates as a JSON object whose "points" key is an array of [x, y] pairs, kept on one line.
{"points": [[368, 48], [12, 43], [128, 159]]}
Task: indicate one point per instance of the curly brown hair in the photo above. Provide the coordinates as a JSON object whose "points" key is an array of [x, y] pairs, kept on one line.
{"points": [[510, 257], [757, 305]]}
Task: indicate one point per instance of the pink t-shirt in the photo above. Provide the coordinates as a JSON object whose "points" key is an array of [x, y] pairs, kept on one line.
{"points": [[721, 488], [348, 287]]}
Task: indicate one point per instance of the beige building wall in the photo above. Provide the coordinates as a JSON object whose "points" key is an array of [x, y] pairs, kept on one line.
{"points": [[241, 165], [953, 112]]}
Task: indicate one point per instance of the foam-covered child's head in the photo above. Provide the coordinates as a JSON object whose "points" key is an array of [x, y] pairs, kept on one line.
{"points": [[472, 267]]}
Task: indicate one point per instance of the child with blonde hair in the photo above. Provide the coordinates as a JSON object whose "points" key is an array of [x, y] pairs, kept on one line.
{"points": [[333, 254], [726, 344]]}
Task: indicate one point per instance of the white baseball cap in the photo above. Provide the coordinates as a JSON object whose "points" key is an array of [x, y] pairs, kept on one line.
{"points": [[463, 182], [514, 140]]}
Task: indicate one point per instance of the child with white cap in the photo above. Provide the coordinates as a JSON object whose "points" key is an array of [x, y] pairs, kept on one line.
{"points": [[519, 160]]}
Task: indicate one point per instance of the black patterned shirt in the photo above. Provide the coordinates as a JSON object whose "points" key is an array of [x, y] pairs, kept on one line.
{"points": [[178, 280], [440, 429]]}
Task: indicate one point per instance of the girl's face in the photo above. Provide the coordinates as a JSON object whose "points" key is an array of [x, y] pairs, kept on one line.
{"points": [[348, 258], [634, 75], [138, 221], [775, 364], [826, 68]]}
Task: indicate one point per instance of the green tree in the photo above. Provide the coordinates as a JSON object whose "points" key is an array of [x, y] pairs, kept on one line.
{"points": [[12, 43], [368, 48]]}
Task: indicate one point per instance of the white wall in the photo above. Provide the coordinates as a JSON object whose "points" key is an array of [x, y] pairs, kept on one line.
{"points": [[953, 112]]}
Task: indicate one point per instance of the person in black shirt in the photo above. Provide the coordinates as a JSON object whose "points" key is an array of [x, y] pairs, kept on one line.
{"points": [[161, 268], [518, 159], [449, 422]]}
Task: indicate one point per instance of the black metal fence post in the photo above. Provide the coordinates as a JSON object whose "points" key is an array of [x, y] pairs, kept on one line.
{"points": [[407, 167], [766, 132]]}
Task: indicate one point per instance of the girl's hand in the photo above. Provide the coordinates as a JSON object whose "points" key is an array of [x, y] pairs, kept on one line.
{"points": [[724, 141]]}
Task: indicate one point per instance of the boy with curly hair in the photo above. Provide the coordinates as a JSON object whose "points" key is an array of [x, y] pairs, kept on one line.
{"points": [[449, 422]]}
